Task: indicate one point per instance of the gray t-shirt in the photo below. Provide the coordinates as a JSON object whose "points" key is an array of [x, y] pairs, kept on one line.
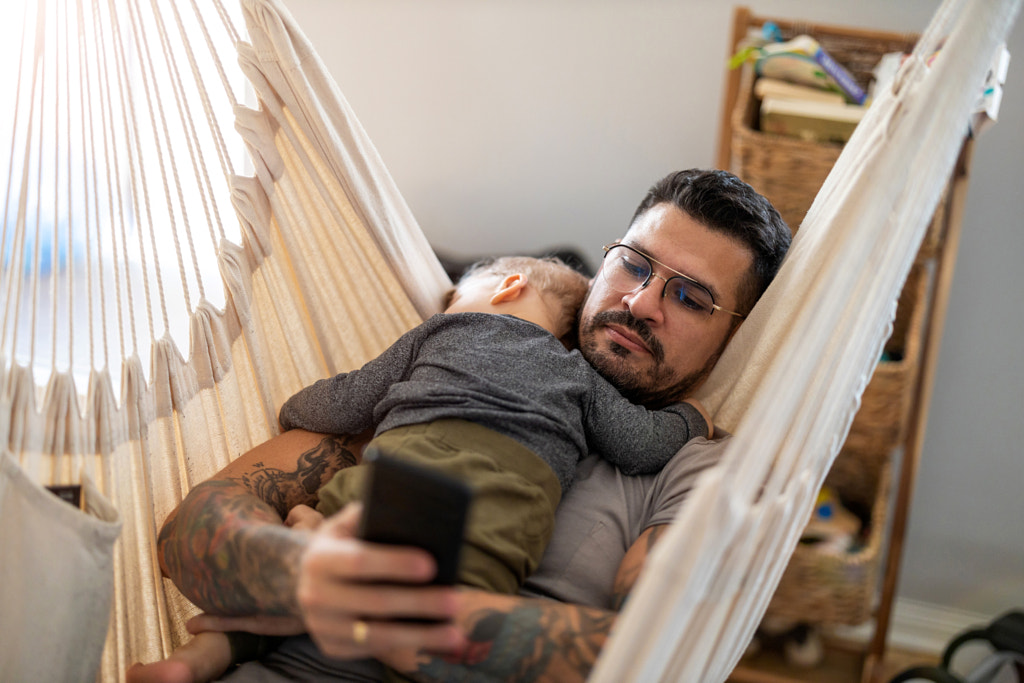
{"points": [[595, 524], [604, 514], [507, 374]]}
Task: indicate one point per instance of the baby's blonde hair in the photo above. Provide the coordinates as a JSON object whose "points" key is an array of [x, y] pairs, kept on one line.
{"points": [[562, 287]]}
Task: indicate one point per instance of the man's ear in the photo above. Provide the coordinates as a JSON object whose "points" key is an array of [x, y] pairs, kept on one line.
{"points": [[510, 288]]}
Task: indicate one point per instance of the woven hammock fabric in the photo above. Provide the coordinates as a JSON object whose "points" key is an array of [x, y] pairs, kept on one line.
{"points": [[329, 267]]}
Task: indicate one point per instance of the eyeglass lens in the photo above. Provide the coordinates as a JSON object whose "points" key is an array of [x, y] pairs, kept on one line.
{"points": [[628, 269]]}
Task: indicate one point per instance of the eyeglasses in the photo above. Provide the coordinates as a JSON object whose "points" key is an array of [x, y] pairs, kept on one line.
{"points": [[626, 270]]}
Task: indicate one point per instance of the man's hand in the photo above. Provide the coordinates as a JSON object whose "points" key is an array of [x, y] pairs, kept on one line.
{"points": [[358, 568], [342, 582], [355, 597]]}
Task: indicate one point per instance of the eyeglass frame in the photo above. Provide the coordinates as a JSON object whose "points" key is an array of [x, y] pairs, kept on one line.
{"points": [[685, 278]]}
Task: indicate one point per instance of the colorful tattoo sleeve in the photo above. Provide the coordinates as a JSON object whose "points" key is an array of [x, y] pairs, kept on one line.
{"points": [[225, 547], [536, 640], [519, 639]]}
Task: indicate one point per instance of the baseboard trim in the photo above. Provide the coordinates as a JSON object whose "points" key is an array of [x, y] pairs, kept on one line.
{"points": [[919, 626]]}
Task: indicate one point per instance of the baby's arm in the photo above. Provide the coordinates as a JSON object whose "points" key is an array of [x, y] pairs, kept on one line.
{"points": [[638, 440], [345, 403]]}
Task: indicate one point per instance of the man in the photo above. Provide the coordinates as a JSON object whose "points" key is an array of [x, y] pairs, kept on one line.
{"points": [[700, 250]]}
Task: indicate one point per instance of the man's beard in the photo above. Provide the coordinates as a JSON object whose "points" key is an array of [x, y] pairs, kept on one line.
{"points": [[654, 387]]}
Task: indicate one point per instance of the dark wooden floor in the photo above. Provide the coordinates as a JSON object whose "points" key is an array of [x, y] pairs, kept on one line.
{"points": [[842, 664]]}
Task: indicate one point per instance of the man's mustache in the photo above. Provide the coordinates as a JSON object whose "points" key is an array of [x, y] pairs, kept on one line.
{"points": [[631, 322]]}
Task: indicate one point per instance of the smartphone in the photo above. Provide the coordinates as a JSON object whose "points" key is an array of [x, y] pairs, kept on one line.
{"points": [[409, 504]]}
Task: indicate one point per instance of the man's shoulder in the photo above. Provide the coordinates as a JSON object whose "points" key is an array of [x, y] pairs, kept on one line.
{"points": [[695, 456], [698, 449], [703, 446], [652, 496]]}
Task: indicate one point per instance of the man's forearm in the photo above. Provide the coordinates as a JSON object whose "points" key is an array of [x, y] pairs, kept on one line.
{"points": [[523, 640], [226, 548], [229, 553], [520, 639]]}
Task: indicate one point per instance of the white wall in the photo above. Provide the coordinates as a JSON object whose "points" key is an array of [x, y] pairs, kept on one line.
{"points": [[518, 126]]}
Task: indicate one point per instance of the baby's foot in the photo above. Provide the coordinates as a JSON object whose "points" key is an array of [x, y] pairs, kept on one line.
{"points": [[164, 671]]}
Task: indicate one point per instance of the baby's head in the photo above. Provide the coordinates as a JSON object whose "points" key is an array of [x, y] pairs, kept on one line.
{"points": [[560, 288]]}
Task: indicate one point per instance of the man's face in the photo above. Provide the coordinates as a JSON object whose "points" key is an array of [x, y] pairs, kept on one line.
{"points": [[651, 349]]}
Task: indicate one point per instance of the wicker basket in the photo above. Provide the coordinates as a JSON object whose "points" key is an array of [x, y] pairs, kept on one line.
{"points": [[790, 171], [829, 588]]}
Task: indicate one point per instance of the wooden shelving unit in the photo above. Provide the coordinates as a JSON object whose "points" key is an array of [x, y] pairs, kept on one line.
{"points": [[939, 260]]}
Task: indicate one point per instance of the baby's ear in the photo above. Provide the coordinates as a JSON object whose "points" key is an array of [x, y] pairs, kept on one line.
{"points": [[510, 288]]}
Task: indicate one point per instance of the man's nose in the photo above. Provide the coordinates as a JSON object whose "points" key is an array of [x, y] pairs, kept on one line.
{"points": [[646, 303]]}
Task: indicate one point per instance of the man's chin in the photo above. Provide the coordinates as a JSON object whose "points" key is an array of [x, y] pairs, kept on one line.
{"points": [[622, 368], [641, 383]]}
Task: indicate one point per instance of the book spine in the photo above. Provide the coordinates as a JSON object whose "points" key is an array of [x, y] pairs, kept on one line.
{"points": [[841, 76]]}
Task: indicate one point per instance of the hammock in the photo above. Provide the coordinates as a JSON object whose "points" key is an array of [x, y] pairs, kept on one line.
{"points": [[322, 266]]}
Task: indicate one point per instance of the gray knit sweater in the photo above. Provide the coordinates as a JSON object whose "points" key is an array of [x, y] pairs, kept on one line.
{"points": [[506, 374]]}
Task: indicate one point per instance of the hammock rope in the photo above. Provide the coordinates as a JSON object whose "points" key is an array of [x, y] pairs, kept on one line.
{"points": [[320, 265]]}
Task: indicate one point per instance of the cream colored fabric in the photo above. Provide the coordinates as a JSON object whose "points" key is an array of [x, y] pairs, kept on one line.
{"points": [[789, 383], [56, 578]]}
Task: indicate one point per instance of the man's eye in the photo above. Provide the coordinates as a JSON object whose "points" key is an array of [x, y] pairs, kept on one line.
{"points": [[692, 304], [683, 296], [637, 269]]}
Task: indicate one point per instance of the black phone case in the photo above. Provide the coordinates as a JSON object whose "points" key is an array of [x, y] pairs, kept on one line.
{"points": [[407, 504]]}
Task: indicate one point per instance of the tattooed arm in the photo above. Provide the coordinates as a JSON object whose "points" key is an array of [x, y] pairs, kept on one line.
{"points": [[227, 550], [225, 546], [530, 640]]}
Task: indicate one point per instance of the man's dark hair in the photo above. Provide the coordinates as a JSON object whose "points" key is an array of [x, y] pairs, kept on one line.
{"points": [[724, 203]]}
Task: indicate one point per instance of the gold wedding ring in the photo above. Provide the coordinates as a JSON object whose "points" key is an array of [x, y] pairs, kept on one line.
{"points": [[360, 631]]}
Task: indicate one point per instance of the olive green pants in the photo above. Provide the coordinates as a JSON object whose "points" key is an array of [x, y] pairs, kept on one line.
{"points": [[515, 494]]}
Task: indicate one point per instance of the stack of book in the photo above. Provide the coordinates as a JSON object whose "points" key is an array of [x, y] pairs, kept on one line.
{"points": [[805, 112], [820, 114]]}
